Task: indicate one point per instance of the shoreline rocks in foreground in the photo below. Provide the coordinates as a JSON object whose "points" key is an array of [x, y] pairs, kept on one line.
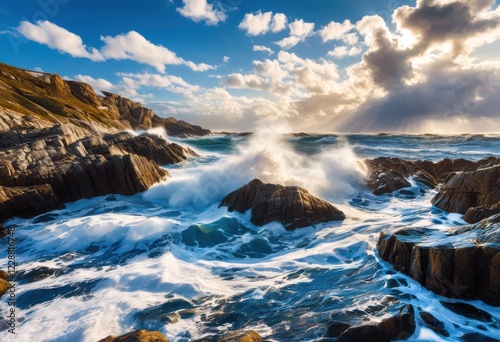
{"points": [[293, 206], [137, 336], [461, 263], [41, 169]]}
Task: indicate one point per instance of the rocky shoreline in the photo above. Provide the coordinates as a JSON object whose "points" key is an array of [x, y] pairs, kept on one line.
{"points": [[63, 143]]}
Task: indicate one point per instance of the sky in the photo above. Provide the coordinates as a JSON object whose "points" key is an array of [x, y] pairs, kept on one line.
{"points": [[421, 66]]}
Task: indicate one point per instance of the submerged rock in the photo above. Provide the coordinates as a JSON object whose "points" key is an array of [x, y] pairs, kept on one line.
{"points": [[462, 263], [293, 206], [399, 327], [137, 336]]}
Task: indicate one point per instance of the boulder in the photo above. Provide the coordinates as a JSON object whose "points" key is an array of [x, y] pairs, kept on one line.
{"points": [[399, 327], [138, 336], [293, 206], [233, 336], [4, 284], [462, 263]]}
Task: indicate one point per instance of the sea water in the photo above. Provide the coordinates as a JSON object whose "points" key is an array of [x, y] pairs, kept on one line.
{"points": [[171, 260]]}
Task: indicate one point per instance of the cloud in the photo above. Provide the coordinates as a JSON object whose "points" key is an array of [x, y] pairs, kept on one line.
{"points": [[263, 49], [98, 84], [226, 59], [335, 31], [261, 23], [299, 31], [200, 10], [344, 51], [134, 46], [58, 38]]}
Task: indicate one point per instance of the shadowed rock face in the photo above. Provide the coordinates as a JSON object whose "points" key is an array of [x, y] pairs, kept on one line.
{"points": [[475, 193], [138, 336], [470, 188], [386, 175], [293, 206], [465, 265], [399, 327], [47, 167]]}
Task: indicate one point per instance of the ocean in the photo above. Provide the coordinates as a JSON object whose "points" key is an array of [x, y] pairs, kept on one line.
{"points": [[170, 259]]}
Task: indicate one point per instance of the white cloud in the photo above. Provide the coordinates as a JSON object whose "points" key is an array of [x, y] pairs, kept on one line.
{"points": [[226, 59], [279, 22], [299, 31], [335, 31], [263, 49], [344, 51], [201, 10], [270, 68], [134, 46], [174, 84], [261, 23], [256, 24], [58, 38]]}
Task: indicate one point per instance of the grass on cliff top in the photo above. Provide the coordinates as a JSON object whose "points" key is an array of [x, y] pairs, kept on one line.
{"points": [[29, 95]]}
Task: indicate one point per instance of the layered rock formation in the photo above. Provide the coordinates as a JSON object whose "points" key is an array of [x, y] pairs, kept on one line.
{"points": [[386, 175], [30, 102], [293, 206], [462, 263], [474, 193], [138, 336], [42, 168]]}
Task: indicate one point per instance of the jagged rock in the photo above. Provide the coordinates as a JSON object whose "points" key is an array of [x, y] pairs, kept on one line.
{"points": [[179, 128], [3, 232], [293, 206], [36, 274], [465, 263], [476, 214], [4, 284], [386, 175], [434, 324], [138, 336], [84, 92], [399, 327], [55, 165], [478, 189]]}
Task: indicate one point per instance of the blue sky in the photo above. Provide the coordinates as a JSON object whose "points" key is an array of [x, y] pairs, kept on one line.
{"points": [[337, 65]]}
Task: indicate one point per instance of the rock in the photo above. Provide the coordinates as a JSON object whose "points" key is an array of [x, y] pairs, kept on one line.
{"points": [[462, 263], [293, 206], [36, 274], [55, 165], [468, 311], [399, 327], [476, 214], [138, 336], [179, 128], [434, 324], [3, 232], [4, 286], [476, 337], [241, 336], [478, 189], [4, 275], [233, 336], [84, 93], [385, 175]]}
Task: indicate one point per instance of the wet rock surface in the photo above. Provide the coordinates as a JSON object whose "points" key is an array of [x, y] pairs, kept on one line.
{"points": [[293, 206], [461, 263], [138, 336]]}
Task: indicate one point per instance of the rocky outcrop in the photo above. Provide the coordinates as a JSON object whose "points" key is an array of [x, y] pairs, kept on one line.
{"points": [[138, 336], [179, 128], [462, 263], [474, 193], [29, 101], [385, 175], [396, 328], [4, 283], [47, 167], [293, 206]]}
